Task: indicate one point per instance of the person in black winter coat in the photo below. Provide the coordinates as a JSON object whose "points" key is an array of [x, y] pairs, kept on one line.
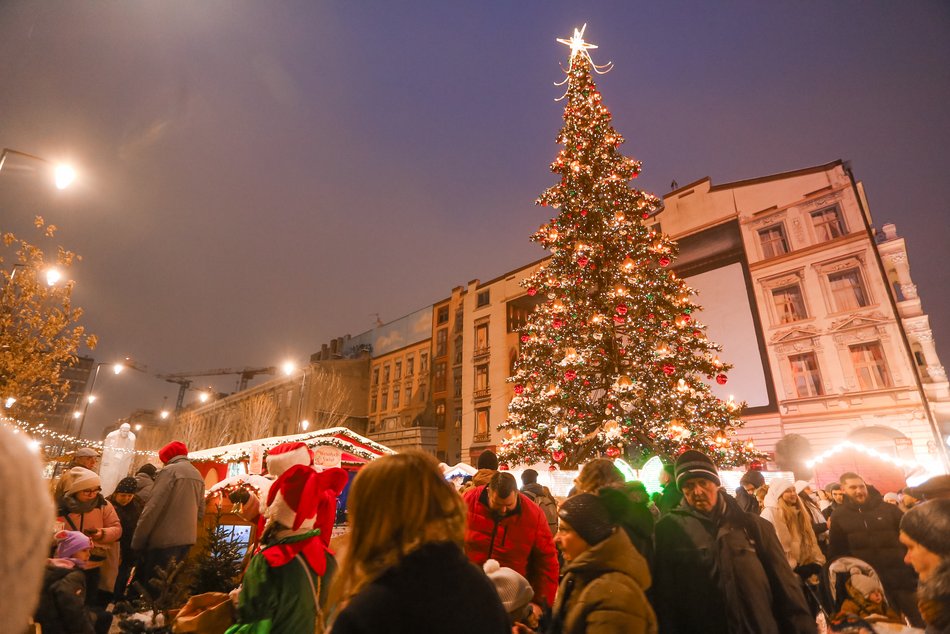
{"points": [[866, 527], [745, 494], [671, 497], [129, 508], [720, 570]]}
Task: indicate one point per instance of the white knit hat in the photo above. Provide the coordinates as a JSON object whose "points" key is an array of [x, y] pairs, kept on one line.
{"points": [[26, 530], [864, 584], [514, 590], [80, 478]]}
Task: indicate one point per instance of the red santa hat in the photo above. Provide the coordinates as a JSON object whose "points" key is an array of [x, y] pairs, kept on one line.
{"points": [[300, 494], [286, 455], [171, 450]]}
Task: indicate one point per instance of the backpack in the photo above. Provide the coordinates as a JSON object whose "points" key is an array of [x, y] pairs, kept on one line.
{"points": [[548, 506]]}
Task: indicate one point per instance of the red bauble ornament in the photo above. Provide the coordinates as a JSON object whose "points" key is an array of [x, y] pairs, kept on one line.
{"points": [[570, 375], [669, 369], [532, 291], [685, 317], [525, 338], [613, 452], [503, 467], [664, 261], [621, 309], [619, 319], [519, 389], [582, 261], [583, 212], [557, 323], [721, 379], [558, 456], [645, 215]]}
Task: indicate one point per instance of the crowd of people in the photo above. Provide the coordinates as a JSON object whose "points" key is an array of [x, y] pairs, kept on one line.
{"points": [[422, 556]]}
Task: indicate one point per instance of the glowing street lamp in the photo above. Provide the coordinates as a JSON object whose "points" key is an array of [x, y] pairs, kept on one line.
{"points": [[288, 368], [117, 368], [53, 276], [305, 425], [63, 175]]}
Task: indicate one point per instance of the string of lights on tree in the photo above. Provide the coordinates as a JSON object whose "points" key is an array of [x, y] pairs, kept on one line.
{"points": [[613, 360], [59, 438]]}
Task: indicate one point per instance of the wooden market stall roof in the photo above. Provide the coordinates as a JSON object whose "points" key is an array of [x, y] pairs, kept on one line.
{"points": [[356, 449]]}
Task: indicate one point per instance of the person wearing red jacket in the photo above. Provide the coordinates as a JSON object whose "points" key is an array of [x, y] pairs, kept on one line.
{"points": [[505, 525]]}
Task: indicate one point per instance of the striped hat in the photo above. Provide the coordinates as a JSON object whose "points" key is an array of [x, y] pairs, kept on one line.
{"points": [[693, 464]]}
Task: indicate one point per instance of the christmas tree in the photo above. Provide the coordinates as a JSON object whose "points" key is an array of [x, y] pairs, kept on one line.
{"points": [[613, 360]]}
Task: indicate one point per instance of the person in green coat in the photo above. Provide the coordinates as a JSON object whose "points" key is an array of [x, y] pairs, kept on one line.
{"points": [[285, 586], [603, 590]]}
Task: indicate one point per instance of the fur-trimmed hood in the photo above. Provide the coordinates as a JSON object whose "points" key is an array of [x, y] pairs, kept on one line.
{"points": [[933, 597]]}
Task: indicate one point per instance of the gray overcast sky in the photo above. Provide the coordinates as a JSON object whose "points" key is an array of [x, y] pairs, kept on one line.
{"points": [[258, 177]]}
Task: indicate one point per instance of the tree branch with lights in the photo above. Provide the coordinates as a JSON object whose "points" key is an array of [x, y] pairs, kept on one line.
{"points": [[613, 360], [39, 330]]}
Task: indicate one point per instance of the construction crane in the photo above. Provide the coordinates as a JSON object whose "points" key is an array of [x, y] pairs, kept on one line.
{"points": [[185, 379]]}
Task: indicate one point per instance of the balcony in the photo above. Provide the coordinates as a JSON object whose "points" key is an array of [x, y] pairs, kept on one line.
{"points": [[481, 353], [481, 394]]}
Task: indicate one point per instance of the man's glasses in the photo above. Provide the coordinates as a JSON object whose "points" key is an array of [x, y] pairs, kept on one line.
{"points": [[96, 490]]}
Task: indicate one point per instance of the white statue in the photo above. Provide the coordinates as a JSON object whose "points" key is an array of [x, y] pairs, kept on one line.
{"points": [[117, 453]]}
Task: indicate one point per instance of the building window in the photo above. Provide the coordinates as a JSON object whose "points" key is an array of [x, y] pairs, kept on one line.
{"points": [[789, 305], [457, 382], [440, 414], [773, 241], [441, 342], [869, 366], [482, 299], [397, 370], [457, 352], [805, 375], [385, 374], [828, 223], [375, 376], [442, 316], [482, 424], [438, 380], [481, 339], [372, 402], [481, 379], [410, 365], [919, 358], [408, 396], [848, 290], [423, 362], [385, 401], [396, 398]]}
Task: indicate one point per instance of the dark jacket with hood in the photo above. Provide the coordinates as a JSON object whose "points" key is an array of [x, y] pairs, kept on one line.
{"points": [[62, 607], [603, 590], [747, 502], [725, 573], [871, 532]]}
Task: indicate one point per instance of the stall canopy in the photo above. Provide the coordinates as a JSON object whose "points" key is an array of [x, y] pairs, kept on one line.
{"points": [[354, 450]]}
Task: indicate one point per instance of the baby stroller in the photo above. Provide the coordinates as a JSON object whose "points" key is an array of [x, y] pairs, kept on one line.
{"points": [[839, 572]]}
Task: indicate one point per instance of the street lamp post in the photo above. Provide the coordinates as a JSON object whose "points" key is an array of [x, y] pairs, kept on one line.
{"points": [[63, 175], [90, 397]]}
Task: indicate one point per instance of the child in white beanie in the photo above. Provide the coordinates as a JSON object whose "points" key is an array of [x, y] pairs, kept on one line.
{"points": [[515, 593]]}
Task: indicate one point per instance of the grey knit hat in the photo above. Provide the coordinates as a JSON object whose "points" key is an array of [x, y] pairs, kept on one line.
{"points": [[928, 524], [694, 464]]}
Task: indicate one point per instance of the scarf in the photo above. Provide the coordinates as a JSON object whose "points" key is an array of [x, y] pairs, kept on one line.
{"points": [[73, 506], [307, 544]]}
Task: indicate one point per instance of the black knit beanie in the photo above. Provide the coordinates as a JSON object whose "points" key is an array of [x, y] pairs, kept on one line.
{"points": [[127, 485], [487, 460], [753, 477], [693, 464], [148, 469], [587, 514], [928, 524]]}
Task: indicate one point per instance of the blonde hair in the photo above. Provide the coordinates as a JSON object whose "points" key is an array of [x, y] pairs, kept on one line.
{"points": [[596, 474], [397, 503]]}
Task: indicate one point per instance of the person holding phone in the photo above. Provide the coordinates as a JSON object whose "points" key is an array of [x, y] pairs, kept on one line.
{"points": [[84, 509]]}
